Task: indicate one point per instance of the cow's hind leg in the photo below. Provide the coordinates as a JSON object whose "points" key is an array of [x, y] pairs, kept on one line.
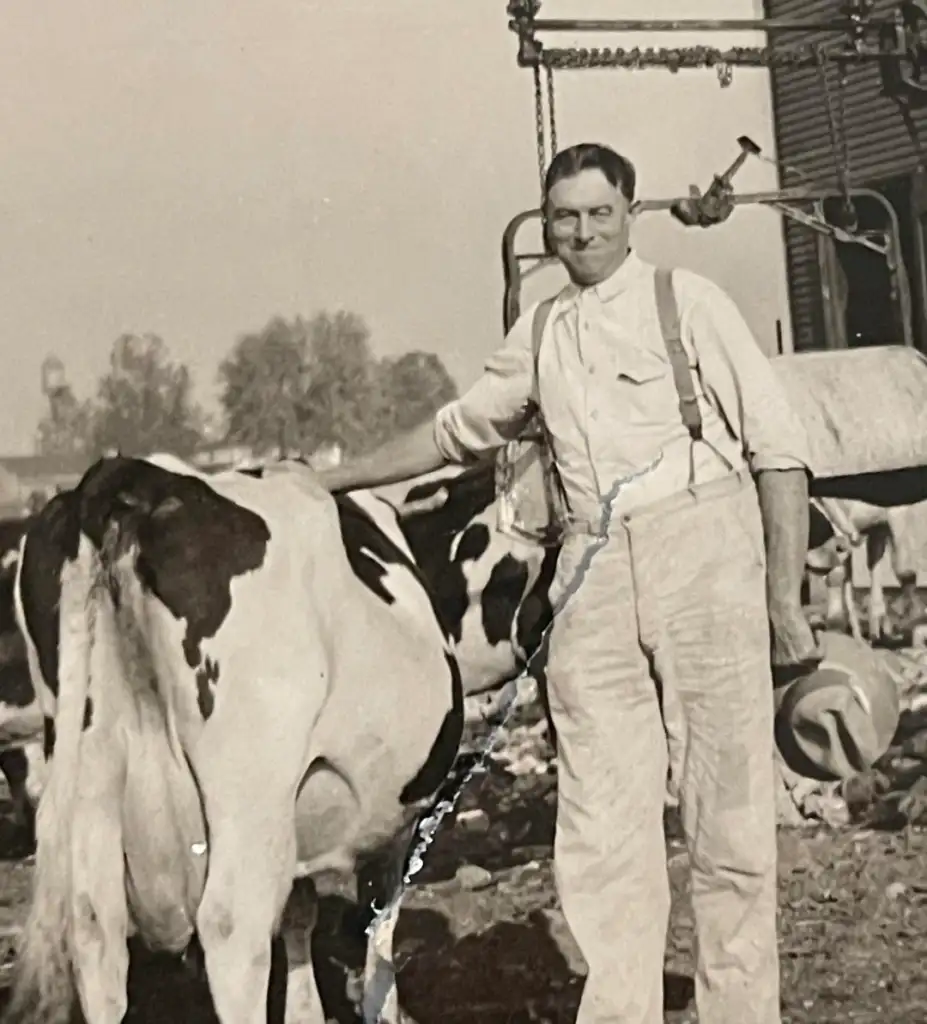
{"points": [[252, 851]]}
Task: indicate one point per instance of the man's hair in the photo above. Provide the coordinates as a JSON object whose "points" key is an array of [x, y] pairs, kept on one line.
{"points": [[618, 170]]}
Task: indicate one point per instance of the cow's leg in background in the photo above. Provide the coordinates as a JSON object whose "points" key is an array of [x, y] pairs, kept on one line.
{"points": [[904, 554], [841, 604], [15, 766], [877, 544], [303, 1003]]}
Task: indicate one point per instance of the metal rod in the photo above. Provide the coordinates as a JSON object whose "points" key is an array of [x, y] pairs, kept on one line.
{"points": [[695, 25], [742, 198]]}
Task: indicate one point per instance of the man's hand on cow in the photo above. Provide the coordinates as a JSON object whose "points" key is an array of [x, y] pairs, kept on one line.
{"points": [[795, 649]]}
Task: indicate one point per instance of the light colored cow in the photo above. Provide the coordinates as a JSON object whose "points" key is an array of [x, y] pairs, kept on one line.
{"points": [[838, 526]]}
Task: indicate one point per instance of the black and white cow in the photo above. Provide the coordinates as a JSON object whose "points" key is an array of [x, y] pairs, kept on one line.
{"points": [[172, 620]]}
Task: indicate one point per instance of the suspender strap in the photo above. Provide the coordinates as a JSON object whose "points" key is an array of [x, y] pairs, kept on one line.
{"points": [[668, 312], [552, 476]]}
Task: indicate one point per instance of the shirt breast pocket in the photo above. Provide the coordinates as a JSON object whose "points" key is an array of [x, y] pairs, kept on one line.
{"points": [[646, 389]]}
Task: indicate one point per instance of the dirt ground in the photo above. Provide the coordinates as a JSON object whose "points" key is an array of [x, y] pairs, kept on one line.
{"points": [[480, 937]]}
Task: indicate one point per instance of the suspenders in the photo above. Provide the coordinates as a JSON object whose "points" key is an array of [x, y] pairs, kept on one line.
{"points": [[668, 312]]}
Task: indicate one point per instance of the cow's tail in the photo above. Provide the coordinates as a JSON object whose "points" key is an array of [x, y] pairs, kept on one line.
{"points": [[43, 985]]}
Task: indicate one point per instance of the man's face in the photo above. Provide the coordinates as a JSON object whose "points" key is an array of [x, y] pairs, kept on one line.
{"points": [[589, 222]]}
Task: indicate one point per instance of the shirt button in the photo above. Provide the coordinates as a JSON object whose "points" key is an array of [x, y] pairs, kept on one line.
{"points": [[594, 415]]}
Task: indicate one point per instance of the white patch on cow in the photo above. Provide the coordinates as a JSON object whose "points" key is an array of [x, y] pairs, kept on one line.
{"points": [[483, 665], [8, 559]]}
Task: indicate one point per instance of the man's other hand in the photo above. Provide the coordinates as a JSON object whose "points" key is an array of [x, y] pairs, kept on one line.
{"points": [[795, 649]]}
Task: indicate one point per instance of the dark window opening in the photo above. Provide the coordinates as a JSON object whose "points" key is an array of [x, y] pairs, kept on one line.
{"points": [[873, 315]]}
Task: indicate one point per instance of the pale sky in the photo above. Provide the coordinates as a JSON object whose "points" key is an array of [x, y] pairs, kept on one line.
{"points": [[193, 169]]}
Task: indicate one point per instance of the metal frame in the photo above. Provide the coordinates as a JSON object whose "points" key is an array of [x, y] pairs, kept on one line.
{"points": [[512, 260], [894, 40]]}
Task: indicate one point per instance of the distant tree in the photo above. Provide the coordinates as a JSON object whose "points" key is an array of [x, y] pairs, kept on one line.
{"points": [[342, 403], [315, 384], [263, 382], [414, 387], [145, 402]]}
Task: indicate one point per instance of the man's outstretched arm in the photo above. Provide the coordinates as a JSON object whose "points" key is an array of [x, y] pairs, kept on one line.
{"points": [[492, 412]]}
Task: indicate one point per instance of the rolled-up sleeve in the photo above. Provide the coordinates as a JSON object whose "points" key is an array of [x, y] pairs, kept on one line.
{"points": [[745, 383], [497, 407]]}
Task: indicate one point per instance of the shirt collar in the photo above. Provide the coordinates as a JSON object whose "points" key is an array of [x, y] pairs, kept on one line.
{"points": [[613, 285]]}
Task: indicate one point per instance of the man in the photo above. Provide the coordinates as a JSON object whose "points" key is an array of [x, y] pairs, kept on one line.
{"points": [[661, 655]]}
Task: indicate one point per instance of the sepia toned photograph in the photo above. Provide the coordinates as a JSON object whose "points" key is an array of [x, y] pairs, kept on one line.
{"points": [[463, 512]]}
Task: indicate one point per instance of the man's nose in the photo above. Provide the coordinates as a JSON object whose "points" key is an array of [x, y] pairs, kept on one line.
{"points": [[584, 228]]}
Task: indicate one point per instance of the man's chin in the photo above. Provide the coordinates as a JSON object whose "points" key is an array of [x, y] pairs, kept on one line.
{"points": [[585, 276]]}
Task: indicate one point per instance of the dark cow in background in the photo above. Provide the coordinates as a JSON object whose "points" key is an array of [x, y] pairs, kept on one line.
{"points": [[21, 759]]}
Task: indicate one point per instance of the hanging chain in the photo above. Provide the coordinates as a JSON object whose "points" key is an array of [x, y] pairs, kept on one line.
{"points": [[544, 132], [539, 134], [839, 143], [551, 113]]}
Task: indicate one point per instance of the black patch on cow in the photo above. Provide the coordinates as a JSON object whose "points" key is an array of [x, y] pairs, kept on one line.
{"points": [[820, 530], [192, 542], [49, 727], [501, 597], [49, 736], [431, 535], [52, 540], [443, 753], [368, 548], [207, 676], [536, 612]]}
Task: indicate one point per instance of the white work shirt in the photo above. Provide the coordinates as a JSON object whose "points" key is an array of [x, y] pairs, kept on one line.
{"points": [[609, 400]]}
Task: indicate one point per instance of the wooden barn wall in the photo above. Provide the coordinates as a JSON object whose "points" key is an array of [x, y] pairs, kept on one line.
{"points": [[880, 145]]}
